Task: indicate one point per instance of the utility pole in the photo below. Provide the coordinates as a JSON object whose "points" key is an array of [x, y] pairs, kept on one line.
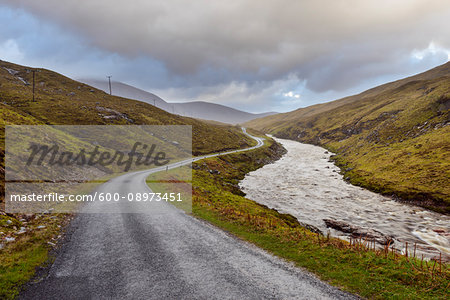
{"points": [[109, 79], [34, 75], [34, 81]]}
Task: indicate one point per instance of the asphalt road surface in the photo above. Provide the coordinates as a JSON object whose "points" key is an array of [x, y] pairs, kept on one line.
{"points": [[166, 254]]}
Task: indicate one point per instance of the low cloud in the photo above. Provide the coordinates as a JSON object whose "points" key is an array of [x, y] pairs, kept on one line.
{"points": [[291, 94], [10, 50], [242, 46]]}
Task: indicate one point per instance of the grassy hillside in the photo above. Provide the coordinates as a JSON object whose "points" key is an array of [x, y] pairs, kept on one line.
{"points": [[60, 100], [394, 139]]}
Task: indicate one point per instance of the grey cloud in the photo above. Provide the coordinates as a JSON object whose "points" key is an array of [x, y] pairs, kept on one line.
{"points": [[333, 45]]}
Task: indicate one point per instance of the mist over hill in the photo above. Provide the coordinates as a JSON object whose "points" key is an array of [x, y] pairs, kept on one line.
{"points": [[196, 109]]}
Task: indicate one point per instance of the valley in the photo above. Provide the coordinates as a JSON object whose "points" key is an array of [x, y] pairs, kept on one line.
{"points": [[288, 211], [224, 149], [392, 139]]}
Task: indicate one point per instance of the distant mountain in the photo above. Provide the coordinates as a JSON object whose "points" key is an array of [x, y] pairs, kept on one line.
{"points": [[196, 109], [216, 112], [393, 139]]}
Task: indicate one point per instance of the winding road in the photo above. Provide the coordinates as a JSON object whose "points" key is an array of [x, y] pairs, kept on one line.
{"points": [[166, 254]]}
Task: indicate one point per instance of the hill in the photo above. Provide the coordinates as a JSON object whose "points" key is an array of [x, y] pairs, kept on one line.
{"points": [[215, 112], [62, 101], [127, 91], [195, 109], [393, 139]]}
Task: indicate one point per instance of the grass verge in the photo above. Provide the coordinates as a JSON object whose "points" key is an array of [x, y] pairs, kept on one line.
{"points": [[19, 260]]}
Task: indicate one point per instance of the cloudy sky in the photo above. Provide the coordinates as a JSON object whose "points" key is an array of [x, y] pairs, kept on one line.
{"points": [[255, 55]]}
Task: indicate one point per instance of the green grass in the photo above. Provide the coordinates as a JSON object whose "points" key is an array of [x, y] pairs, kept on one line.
{"points": [[20, 260], [177, 181], [417, 174], [217, 199], [393, 139], [18, 266]]}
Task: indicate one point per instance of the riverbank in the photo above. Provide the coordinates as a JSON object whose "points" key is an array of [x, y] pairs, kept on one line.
{"points": [[307, 185], [373, 274]]}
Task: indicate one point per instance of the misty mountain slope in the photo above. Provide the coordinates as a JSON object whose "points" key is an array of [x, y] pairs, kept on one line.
{"points": [[215, 112], [394, 139], [196, 109], [127, 91]]}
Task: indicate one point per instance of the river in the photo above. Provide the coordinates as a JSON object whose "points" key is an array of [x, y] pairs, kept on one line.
{"points": [[306, 185]]}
